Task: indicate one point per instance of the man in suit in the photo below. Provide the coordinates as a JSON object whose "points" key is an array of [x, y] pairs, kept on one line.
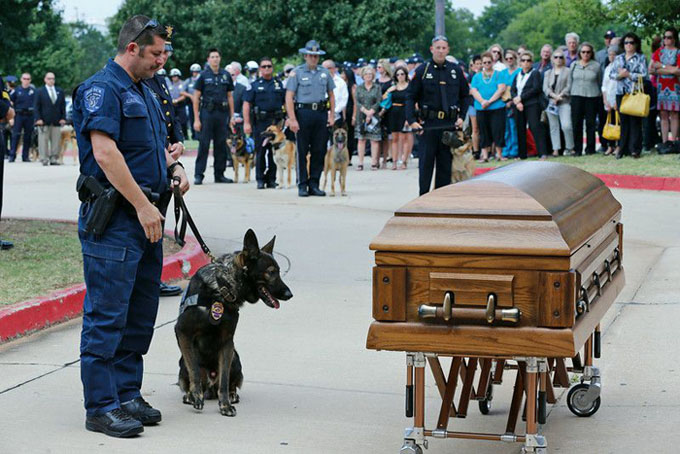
{"points": [[50, 115]]}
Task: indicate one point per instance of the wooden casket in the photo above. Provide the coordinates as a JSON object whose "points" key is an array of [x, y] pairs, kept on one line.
{"points": [[522, 261]]}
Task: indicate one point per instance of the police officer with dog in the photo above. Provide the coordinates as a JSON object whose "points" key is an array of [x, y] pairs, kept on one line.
{"points": [[440, 90], [213, 107], [267, 97], [125, 168], [309, 115]]}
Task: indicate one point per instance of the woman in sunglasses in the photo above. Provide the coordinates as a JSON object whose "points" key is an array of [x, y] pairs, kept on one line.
{"points": [[626, 70], [511, 149], [557, 87], [586, 80], [526, 91], [497, 53], [487, 88], [666, 65]]}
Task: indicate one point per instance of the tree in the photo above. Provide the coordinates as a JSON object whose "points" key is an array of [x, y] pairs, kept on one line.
{"points": [[496, 17]]}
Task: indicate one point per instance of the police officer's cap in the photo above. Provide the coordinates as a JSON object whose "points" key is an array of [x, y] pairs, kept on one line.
{"points": [[252, 66], [195, 68], [372, 62], [361, 62], [161, 72], [11, 79], [312, 48], [175, 72], [393, 60]]}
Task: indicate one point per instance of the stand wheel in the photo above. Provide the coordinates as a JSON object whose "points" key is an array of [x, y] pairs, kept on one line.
{"points": [[411, 448], [485, 404], [577, 403]]}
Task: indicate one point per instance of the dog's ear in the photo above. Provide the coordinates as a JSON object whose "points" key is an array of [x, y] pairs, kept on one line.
{"points": [[280, 124], [269, 247], [250, 247]]}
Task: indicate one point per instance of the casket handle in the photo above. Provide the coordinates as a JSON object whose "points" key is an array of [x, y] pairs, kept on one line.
{"points": [[443, 311], [447, 312]]}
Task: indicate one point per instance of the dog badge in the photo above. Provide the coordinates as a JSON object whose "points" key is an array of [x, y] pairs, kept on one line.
{"points": [[216, 311]]}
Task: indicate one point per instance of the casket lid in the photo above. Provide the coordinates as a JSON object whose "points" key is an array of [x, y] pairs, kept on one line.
{"points": [[527, 208]]}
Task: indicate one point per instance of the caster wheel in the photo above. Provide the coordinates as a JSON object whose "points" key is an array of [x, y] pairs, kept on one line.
{"points": [[411, 448], [576, 401], [485, 404]]}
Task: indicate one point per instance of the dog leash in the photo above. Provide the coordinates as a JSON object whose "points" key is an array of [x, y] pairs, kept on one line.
{"points": [[182, 211]]}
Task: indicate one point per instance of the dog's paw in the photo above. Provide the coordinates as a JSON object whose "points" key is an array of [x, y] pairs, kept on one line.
{"points": [[196, 399], [234, 398], [186, 399], [227, 410]]}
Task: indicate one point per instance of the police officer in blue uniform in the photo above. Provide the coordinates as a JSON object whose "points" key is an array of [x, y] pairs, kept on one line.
{"points": [[309, 115], [266, 97], [6, 113], [440, 90], [213, 107], [121, 134], [23, 98]]}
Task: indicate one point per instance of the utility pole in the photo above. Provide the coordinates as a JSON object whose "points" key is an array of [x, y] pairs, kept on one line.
{"points": [[439, 13]]}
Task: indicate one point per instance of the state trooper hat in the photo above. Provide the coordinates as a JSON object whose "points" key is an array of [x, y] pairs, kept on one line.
{"points": [[312, 48], [161, 72], [195, 68], [175, 72]]}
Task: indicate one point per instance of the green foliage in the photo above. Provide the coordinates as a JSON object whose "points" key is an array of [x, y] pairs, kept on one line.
{"points": [[246, 30], [548, 22], [496, 17], [647, 17]]}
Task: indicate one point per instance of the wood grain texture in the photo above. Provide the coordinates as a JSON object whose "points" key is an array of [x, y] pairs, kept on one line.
{"points": [[472, 289], [468, 340], [473, 261], [389, 293], [556, 299]]}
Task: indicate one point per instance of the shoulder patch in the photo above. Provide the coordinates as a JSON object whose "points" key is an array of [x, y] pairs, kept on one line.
{"points": [[93, 98]]}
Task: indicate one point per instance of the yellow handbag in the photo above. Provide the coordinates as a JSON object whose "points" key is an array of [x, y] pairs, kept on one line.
{"points": [[636, 104], [612, 131]]}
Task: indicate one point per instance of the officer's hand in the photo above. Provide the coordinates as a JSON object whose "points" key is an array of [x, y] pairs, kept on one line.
{"points": [[459, 122], [232, 122], [151, 218], [176, 150], [11, 122], [416, 126], [62, 122], [294, 126], [331, 118], [197, 125], [39, 123], [247, 128], [183, 180]]}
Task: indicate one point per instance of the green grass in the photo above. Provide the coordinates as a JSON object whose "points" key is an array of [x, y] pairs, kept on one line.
{"points": [[648, 165], [46, 257]]}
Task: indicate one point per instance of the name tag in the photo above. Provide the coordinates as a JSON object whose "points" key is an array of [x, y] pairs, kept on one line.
{"points": [[429, 76], [260, 88]]}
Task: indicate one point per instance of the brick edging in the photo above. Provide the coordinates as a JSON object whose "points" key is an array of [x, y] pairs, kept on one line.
{"points": [[38, 313]]}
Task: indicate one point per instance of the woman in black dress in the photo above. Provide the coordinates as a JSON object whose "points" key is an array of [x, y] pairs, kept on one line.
{"points": [[402, 140], [385, 81], [348, 76]]}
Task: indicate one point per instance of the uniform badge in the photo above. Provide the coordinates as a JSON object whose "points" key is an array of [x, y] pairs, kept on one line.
{"points": [[429, 76], [30, 92], [216, 311], [323, 75], [94, 98], [453, 74]]}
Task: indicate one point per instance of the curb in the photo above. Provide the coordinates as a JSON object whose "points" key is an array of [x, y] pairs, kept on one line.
{"points": [[38, 313], [626, 181]]}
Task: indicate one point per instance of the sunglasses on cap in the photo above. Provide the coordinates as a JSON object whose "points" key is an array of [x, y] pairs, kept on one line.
{"points": [[440, 38], [153, 23]]}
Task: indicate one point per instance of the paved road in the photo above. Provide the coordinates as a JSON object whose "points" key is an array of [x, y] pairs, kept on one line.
{"points": [[310, 384]]}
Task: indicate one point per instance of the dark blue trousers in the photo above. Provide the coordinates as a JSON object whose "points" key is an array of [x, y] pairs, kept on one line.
{"points": [[311, 138], [122, 275], [433, 155], [22, 122], [214, 126], [265, 168]]}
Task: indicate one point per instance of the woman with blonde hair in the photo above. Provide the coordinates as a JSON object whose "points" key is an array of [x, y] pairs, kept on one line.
{"points": [[497, 53], [365, 118]]}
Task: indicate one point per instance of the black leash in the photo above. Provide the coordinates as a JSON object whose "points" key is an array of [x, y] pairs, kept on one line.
{"points": [[182, 211]]}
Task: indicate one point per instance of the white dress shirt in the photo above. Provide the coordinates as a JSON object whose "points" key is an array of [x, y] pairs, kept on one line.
{"points": [[341, 95]]}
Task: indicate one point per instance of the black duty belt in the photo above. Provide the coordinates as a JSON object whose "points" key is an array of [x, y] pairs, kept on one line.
{"points": [[436, 115], [264, 115], [182, 211], [25, 111], [312, 106]]}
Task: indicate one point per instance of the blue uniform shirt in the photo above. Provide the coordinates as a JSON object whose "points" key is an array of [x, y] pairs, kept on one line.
{"points": [[23, 98], [112, 103], [266, 95], [214, 87]]}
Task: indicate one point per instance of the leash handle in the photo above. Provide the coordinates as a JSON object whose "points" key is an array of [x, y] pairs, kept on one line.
{"points": [[181, 211]]}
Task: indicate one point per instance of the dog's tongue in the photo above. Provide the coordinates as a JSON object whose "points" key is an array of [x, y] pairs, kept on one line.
{"points": [[268, 299], [265, 141]]}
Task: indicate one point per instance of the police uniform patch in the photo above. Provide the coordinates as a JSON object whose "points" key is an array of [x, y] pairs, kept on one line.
{"points": [[94, 98]]}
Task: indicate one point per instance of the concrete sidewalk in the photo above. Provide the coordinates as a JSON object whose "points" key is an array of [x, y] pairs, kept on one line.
{"points": [[310, 384]]}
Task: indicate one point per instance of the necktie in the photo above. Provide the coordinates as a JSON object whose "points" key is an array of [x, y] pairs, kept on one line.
{"points": [[442, 88], [53, 95]]}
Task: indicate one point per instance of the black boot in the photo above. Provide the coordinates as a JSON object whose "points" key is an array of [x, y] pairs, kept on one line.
{"points": [[142, 411], [170, 290], [115, 423]]}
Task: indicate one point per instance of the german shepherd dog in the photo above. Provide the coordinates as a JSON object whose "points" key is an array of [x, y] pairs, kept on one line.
{"points": [[283, 151], [68, 140], [236, 141], [210, 366], [337, 160], [463, 165]]}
